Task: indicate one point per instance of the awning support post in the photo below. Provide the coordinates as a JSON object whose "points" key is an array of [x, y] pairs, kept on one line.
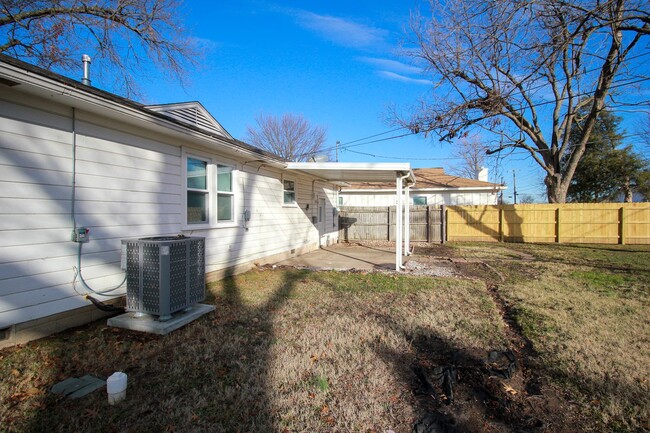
{"points": [[398, 224], [407, 221]]}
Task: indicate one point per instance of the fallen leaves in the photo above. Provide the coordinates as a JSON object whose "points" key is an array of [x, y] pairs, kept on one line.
{"points": [[29, 393], [325, 410]]}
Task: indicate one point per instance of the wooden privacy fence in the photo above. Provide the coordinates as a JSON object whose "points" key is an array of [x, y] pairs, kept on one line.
{"points": [[594, 223], [378, 223], [597, 223]]}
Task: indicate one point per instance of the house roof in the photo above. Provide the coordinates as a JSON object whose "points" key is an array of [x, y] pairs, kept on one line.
{"points": [[193, 113], [187, 120], [429, 179], [42, 82]]}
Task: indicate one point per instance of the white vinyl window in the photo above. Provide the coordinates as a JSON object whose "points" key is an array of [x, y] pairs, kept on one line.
{"points": [[210, 189], [419, 200], [289, 192], [198, 195], [225, 193]]}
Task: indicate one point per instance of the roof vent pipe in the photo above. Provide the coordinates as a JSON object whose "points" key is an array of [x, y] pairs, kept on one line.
{"points": [[86, 61]]}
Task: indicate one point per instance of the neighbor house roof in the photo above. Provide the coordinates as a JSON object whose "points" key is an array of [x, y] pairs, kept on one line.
{"points": [[429, 179]]}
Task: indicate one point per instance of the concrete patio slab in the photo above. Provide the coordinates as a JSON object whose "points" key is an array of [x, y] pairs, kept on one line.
{"points": [[345, 257]]}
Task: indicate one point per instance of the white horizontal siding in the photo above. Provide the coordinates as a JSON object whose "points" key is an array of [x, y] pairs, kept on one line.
{"points": [[128, 184], [273, 227]]}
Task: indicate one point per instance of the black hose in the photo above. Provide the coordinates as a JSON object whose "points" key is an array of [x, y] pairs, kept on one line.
{"points": [[109, 308]]}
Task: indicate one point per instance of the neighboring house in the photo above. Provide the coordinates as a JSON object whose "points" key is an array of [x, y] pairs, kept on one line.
{"points": [[73, 155], [432, 187]]}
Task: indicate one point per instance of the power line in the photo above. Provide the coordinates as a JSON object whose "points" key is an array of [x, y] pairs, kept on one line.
{"points": [[355, 143], [514, 151], [481, 118], [405, 158]]}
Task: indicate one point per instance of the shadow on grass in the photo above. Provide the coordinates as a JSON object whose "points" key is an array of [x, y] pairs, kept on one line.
{"points": [[211, 375], [459, 389]]}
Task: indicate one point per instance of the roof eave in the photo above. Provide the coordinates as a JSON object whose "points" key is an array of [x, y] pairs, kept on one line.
{"points": [[74, 94]]}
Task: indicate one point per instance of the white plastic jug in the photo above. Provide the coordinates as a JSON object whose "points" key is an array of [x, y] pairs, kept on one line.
{"points": [[116, 387]]}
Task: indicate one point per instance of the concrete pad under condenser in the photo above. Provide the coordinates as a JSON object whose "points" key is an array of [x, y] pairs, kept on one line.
{"points": [[152, 325]]}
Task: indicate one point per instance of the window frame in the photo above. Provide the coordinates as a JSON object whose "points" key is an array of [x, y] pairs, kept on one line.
{"points": [[293, 203], [213, 192], [230, 194], [206, 191], [421, 197]]}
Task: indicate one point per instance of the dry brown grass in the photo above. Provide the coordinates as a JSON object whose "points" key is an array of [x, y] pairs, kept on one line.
{"points": [[292, 350], [586, 310], [286, 350]]}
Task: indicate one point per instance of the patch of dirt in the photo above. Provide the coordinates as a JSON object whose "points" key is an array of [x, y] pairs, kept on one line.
{"points": [[434, 269], [465, 391], [462, 391]]}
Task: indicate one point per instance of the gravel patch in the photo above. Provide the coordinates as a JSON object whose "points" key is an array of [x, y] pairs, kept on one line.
{"points": [[435, 269]]}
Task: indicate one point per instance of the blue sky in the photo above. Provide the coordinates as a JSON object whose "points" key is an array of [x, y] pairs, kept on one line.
{"points": [[335, 63]]}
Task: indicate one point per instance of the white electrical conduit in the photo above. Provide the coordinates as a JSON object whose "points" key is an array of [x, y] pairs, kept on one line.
{"points": [[77, 269]]}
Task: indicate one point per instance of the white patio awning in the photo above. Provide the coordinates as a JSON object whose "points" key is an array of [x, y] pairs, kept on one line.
{"points": [[400, 173], [355, 171]]}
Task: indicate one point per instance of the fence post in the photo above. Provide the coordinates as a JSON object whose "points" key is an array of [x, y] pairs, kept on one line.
{"points": [[501, 222], [558, 225], [621, 225], [428, 219], [443, 224], [389, 223]]}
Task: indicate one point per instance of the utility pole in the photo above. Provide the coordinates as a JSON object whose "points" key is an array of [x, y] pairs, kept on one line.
{"points": [[337, 150], [501, 193], [514, 185]]}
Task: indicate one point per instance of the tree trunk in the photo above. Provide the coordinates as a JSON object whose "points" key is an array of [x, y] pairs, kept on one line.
{"points": [[555, 189], [627, 191]]}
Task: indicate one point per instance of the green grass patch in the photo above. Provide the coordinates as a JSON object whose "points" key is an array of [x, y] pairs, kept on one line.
{"points": [[320, 383], [603, 282]]}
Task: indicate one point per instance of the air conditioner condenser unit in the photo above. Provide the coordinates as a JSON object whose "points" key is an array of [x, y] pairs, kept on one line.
{"points": [[163, 274]]}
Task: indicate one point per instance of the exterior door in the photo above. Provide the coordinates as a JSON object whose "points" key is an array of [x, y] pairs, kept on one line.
{"points": [[320, 222]]}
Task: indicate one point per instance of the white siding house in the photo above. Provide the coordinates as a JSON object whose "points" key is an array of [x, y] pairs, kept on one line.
{"points": [[432, 187], [74, 155]]}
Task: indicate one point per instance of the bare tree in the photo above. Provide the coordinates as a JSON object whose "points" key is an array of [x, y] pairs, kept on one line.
{"points": [[122, 36], [291, 136], [644, 131], [471, 152], [526, 199], [525, 70]]}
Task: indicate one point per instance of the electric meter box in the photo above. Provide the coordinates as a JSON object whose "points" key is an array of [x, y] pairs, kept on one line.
{"points": [[80, 234]]}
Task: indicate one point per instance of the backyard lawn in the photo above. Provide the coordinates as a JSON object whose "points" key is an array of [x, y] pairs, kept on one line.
{"points": [[515, 337]]}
